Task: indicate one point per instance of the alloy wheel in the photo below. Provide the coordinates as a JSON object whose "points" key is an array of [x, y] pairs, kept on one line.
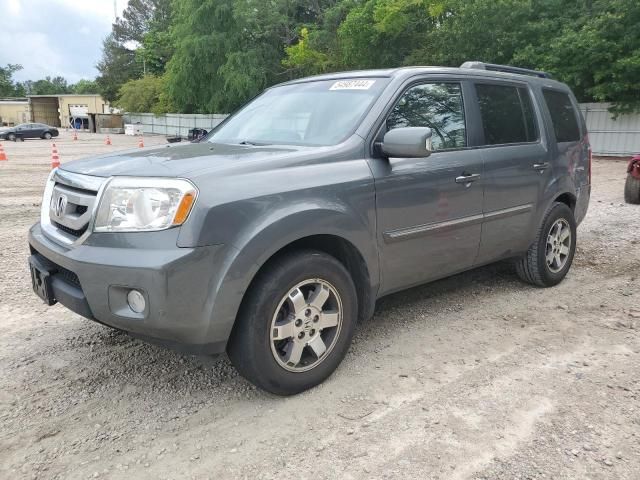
{"points": [[558, 245], [306, 325]]}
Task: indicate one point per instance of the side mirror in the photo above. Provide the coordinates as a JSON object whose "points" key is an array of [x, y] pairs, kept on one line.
{"points": [[407, 142]]}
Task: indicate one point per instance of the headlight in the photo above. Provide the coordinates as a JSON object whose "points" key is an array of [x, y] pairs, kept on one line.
{"points": [[131, 204]]}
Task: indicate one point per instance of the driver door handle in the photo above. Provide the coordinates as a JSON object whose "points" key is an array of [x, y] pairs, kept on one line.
{"points": [[468, 178]]}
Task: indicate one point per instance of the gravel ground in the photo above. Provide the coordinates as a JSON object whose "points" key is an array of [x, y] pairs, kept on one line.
{"points": [[477, 376]]}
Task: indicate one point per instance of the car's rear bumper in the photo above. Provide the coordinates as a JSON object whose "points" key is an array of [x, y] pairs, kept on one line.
{"points": [[583, 195], [93, 281]]}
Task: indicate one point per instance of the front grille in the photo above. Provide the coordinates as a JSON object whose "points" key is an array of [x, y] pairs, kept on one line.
{"points": [[71, 231], [70, 209]]}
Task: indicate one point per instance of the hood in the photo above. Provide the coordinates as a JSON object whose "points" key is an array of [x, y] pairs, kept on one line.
{"points": [[176, 160]]}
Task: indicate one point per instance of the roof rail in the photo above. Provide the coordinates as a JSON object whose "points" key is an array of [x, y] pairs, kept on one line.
{"points": [[505, 68]]}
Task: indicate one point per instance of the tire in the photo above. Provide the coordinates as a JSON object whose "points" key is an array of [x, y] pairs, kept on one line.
{"points": [[632, 190], [268, 311], [533, 267], [47, 136], [11, 137]]}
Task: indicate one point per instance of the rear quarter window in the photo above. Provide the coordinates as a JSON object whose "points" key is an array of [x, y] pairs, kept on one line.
{"points": [[563, 116]]}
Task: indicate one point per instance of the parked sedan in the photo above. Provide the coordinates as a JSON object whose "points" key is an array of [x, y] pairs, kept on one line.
{"points": [[28, 130]]}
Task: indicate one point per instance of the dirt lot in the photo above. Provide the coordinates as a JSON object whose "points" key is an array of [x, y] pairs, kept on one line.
{"points": [[477, 376]]}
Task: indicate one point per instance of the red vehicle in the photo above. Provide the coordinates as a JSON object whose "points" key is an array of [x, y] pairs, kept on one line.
{"points": [[632, 186]]}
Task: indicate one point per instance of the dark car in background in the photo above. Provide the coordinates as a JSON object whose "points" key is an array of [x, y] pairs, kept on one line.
{"points": [[28, 130]]}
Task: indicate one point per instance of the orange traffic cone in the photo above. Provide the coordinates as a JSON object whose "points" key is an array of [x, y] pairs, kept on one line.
{"points": [[3, 156], [107, 141], [55, 159], [141, 143], [75, 134]]}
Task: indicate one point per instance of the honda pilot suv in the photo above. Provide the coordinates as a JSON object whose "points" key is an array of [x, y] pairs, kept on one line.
{"points": [[271, 237]]}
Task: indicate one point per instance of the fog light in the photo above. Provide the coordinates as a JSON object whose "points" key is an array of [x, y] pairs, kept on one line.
{"points": [[136, 301]]}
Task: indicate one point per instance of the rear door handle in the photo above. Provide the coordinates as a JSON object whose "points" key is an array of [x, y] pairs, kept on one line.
{"points": [[472, 177], [540, 166]]}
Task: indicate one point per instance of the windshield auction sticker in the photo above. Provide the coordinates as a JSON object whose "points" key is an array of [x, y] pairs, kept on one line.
{"points": [[352, 85]]}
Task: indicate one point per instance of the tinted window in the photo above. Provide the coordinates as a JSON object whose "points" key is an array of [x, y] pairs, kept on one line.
{"points": [[529, 116], [563, 116], [507, 114], [434, 105]]}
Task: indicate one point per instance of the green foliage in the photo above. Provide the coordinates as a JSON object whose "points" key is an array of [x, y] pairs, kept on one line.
{"points": [[155, 51], [139, 43], [118, 66], [146, 94], [85, 87], [8, 88], [47, 86], [303, 59], [216, 54], [227, 51]]}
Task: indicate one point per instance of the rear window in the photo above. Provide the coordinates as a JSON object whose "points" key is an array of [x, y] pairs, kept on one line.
{"points": [[507, 114], [563, 116]]}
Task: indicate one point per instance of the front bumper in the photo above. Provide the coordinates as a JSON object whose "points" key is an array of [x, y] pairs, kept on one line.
{"points": [[179, 286]]}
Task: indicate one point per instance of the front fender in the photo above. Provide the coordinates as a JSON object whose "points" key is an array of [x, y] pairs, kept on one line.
{"points": [[261, 239]]}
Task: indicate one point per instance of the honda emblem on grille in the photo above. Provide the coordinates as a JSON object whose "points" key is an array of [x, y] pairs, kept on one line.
{"points": [[60, 205]]}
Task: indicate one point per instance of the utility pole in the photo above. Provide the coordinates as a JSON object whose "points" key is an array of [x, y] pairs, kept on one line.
{"points": [[115, 10]]}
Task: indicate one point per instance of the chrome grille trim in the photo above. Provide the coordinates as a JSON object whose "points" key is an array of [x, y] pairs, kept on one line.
{"points": [[85, 191], [75, 198]]}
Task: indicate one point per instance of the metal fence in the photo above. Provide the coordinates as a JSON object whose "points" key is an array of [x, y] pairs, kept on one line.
{"points": [[173, 123], [609, 136]]}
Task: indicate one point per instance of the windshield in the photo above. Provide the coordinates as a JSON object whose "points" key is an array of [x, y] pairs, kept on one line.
{"points": [[310, 114]]}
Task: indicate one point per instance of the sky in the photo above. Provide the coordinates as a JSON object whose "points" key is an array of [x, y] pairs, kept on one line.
{"points": [[55, 37]]}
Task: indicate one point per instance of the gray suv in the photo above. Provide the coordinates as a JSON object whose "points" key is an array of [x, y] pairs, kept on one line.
{"points": [[270, 238]]}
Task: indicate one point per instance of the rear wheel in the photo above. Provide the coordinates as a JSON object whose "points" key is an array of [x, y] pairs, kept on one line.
{"points": [[550, 256], [632, 190], [296, 324]]}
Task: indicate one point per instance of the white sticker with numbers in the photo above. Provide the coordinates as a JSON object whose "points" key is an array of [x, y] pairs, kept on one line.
{"points": [[352, 85]]}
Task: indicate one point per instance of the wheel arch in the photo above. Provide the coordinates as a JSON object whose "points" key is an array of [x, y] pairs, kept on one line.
{"points": [[336, 233], [346, 253], [568, 199]]}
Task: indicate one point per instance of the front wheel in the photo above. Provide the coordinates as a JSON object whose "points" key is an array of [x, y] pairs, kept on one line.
{"points": [[47, 136], [11, 137], [296, 323], [550, 256]]}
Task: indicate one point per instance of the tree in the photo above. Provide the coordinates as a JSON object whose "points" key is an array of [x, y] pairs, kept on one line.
{"points": [[47, 86], [227, 51], [127, 50], [118, 65], [7, 86], [83, 87], [145, 94], [216, 54]]}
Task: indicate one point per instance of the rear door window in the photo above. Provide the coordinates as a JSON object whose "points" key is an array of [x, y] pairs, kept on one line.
{"points": [[563, 116], [507, 114]]}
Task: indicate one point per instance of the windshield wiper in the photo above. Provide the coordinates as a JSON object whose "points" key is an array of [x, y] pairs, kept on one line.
{"points": [[254, 144]]}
